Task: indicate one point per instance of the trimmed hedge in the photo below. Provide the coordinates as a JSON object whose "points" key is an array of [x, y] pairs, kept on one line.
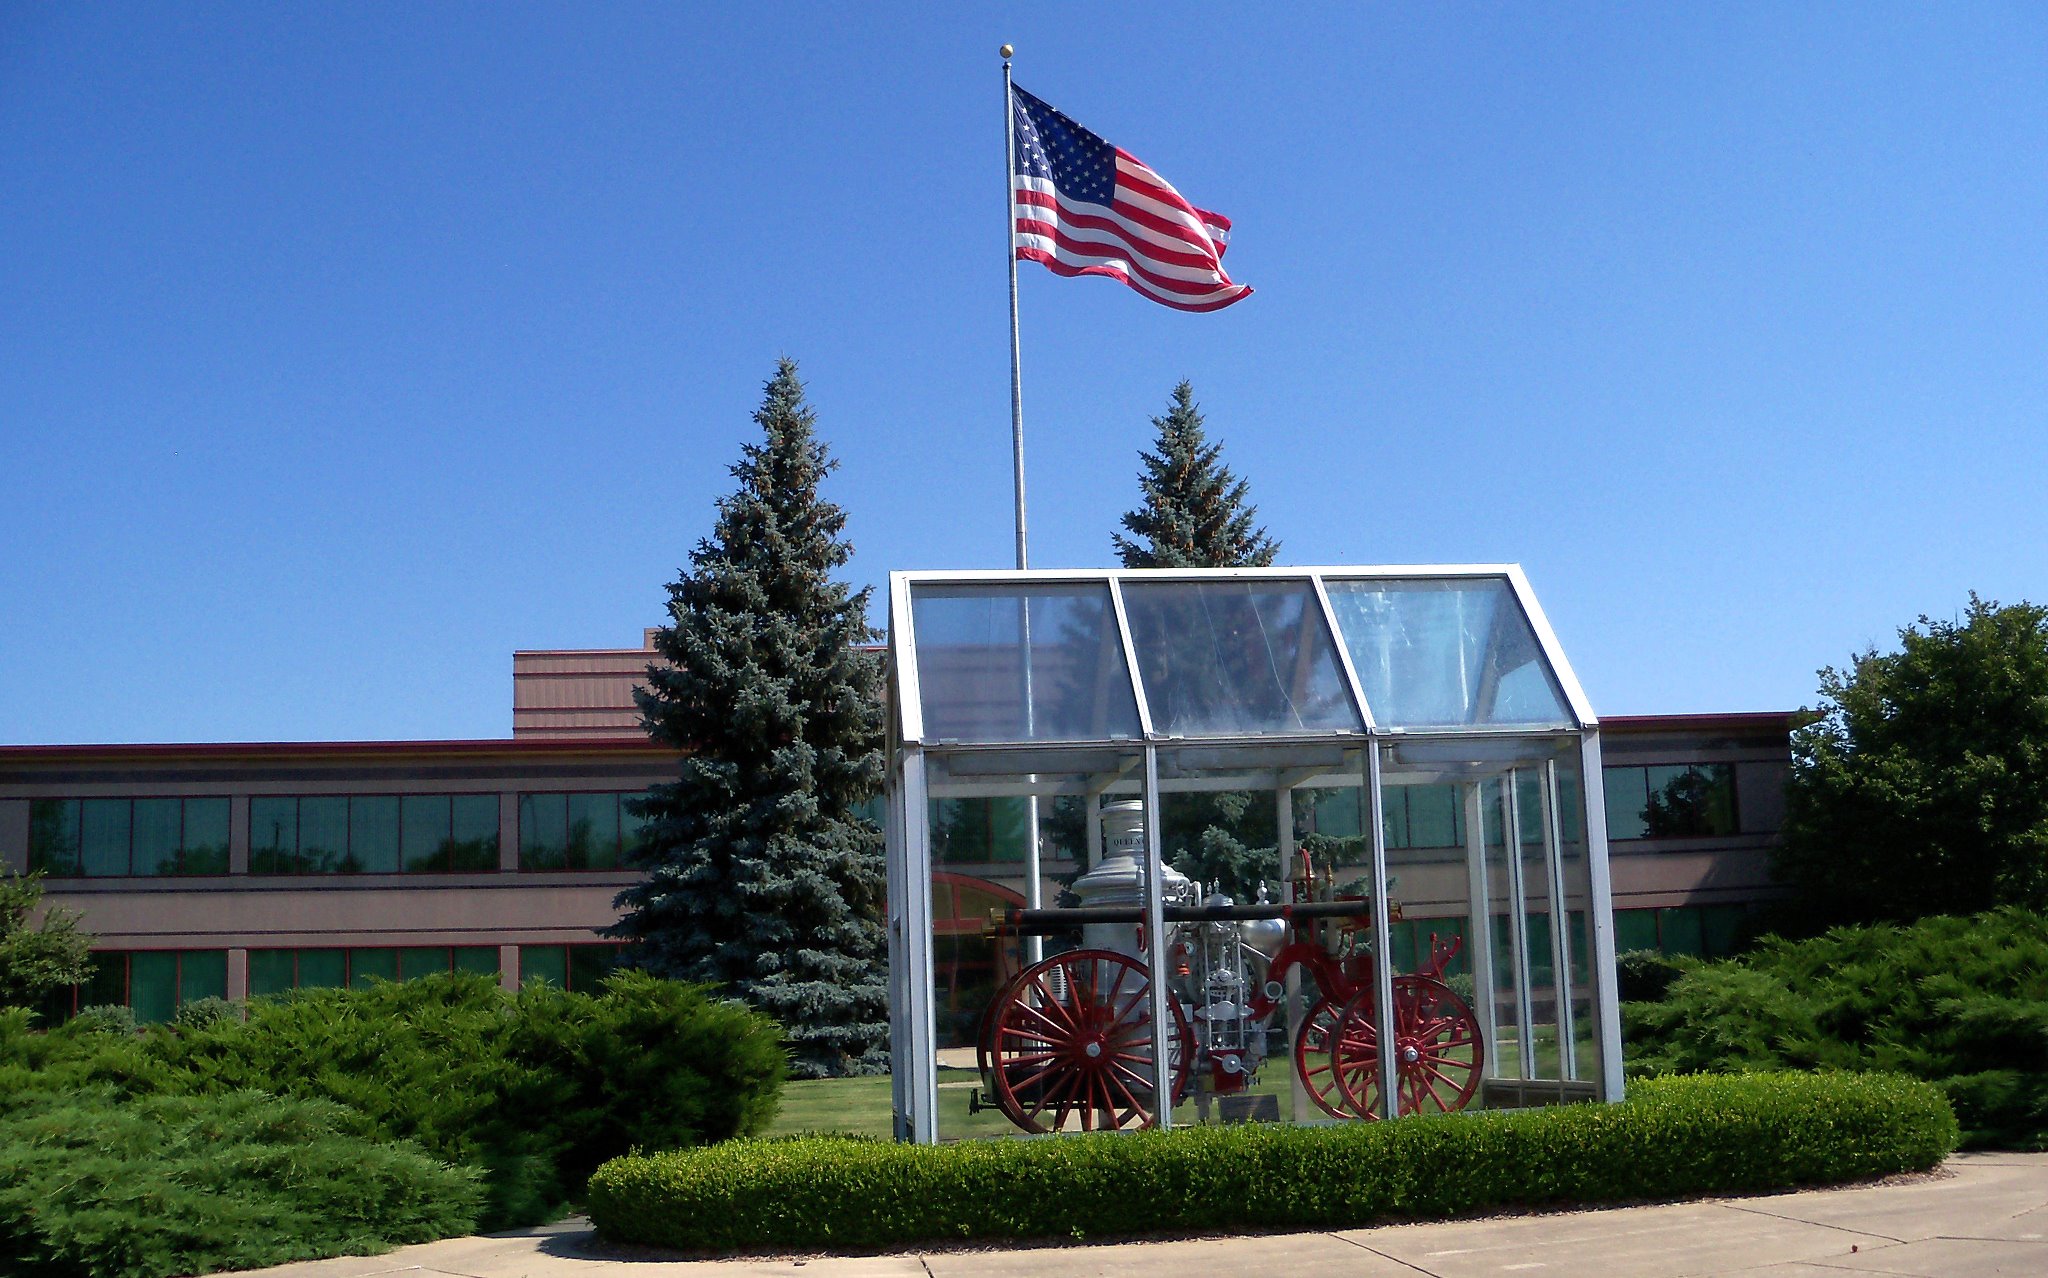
{"points": [[1673, 1138]]}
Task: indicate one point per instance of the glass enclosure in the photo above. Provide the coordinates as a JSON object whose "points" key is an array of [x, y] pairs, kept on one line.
{"points": [[1190, 846]]}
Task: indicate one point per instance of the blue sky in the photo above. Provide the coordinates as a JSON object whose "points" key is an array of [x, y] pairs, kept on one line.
{"points": [[345, 349]]}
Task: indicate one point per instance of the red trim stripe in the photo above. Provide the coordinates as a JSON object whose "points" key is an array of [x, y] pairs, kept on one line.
{"points": [[1090, 247], [1057, 267]]}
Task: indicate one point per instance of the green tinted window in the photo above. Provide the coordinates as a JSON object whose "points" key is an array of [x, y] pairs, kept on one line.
{"points": [[1435, 817], [630, 829], [323, 969], [545, 963], [364, 965], [422, 960], [323, 835], [1394, 815], [153, 985], [272, 972], [202, 974], [477, 958], [593, 831], [1635, 930], [1681, 931], [205, 849], [423, 831], [108, 984], [373, 834], [1721, 928], [158, 830], [474, 837], [588, 965], [273, 835], [53, 837], [103, 836], [1626, 801], [543, 831]]}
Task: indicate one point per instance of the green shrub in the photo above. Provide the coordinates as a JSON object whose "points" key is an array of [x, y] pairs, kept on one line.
{"points": [[105, 1018], [535, 1089], [104, 1186], [1673, 1138], [201, 1012], [1644, 976], [1962, 1003]]}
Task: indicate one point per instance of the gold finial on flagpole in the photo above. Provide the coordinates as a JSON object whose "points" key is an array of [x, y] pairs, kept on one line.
{"points": [[1008, 52]]}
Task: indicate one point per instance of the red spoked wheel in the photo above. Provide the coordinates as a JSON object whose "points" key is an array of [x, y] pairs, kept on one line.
{"points": [[1312, 1060], [1071, 1043], [1437, 1050]]}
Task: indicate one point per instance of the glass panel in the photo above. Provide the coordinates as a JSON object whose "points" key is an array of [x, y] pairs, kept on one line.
{"points": [[1635, 930], [202, 974], [543, 831], [477, 958], [1627, 803], [1446, 653], [422, 961], [323, 836], [206, 837], [423, 831], [1681, 931], [153, 985], [473, 843], [324, 969], [548, 964], [593, 831], [1236, 658], [1435, 817], [631, 826], [588, 965], [271, 972], [273, 835], [364, 965], [53, 837], [158, 830], [373, 834], [1437, 980], [108, 984], [103, 836], [1018, 663], [1721, 928]]}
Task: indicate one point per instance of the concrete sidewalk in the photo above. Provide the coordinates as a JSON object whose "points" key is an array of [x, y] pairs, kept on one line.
{"points": [[1982, 1215]]}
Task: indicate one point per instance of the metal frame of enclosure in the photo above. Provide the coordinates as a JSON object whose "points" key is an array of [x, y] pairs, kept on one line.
{"points": [[1387, 685]]}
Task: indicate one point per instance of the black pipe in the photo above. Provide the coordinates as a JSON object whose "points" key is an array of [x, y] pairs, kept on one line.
{"points": [[1040, 922]]}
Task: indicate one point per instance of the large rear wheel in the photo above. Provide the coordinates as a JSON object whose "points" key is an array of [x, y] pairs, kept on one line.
{"points": [[1071, 1042]]}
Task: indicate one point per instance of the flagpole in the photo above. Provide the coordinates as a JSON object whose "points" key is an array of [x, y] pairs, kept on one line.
{"points": [[1034, 887], [1016, 347]]}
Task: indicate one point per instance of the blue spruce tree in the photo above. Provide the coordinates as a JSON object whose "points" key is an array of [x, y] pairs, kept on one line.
{"points": [[762, 875]]}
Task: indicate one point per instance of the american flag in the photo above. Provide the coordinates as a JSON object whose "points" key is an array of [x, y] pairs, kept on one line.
{"points": [[1084, 207]]}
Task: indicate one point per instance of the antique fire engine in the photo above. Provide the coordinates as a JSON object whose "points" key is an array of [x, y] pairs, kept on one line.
{"points": [[1068, 1043]]}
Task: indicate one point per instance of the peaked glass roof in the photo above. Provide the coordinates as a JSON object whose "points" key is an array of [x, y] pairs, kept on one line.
{"points": [[1028, 658]]}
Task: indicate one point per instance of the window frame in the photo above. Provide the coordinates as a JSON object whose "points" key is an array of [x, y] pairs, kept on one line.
{"points": [[620, 847], [1735, 828], [37, 858], [349, 800]]}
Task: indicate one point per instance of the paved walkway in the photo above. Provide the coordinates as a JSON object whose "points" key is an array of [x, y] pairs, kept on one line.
{"points": [[1984, 1214]]}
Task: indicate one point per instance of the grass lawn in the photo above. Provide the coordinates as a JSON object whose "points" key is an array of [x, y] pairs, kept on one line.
{"points": [[860, 1106]]}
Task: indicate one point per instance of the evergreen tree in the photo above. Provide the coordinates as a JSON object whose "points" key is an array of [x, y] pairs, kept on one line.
{"points": [[1194, 513], [763, 876], [1195, 516]]}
